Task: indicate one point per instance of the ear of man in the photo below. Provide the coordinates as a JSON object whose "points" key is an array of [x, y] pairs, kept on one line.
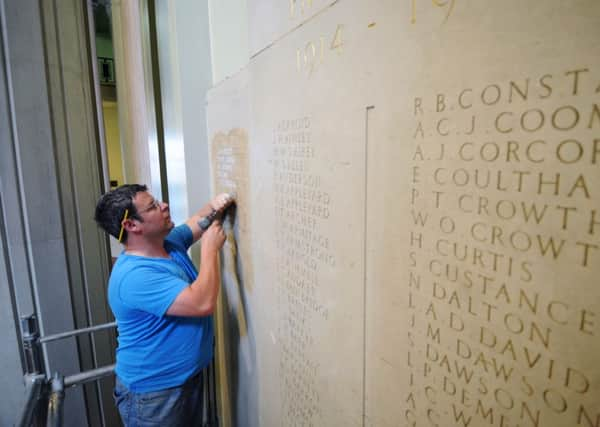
{"points": [[132, 226]]}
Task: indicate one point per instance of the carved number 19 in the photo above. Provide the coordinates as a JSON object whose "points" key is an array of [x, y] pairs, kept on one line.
{"points": [[438, 3]]}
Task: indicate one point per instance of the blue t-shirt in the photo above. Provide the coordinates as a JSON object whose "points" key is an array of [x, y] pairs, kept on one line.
{"points": [[157, 351]]}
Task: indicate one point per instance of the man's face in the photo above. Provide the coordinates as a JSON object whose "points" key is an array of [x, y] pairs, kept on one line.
{"points": [[156, 215]]}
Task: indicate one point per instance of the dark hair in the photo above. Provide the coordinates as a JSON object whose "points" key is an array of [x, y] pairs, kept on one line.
{"points": [[111, 207]]}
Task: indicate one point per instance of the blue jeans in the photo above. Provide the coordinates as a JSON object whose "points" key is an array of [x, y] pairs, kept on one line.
{"points": [[173, 407]]}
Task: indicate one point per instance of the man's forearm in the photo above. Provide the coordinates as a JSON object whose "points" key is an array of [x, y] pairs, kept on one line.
{"points": [[198, 221], [206, 286], [204, 210], [195, 220]]}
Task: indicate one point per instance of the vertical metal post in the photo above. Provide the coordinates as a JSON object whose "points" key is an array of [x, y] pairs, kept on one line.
{"points": [[30, 414], [55, 402], [31, 346], [34, 377]]}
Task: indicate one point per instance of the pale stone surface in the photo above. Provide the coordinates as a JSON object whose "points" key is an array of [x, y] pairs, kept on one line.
{"points": [[529, 365], [423, 215], [228, 128], [270, 20]]}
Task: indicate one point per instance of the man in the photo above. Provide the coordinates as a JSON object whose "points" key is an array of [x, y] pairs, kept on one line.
{"points": [[162, 305]]}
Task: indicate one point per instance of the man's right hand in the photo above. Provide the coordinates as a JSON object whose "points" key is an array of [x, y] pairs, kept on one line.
{"points": [[214, 237]]}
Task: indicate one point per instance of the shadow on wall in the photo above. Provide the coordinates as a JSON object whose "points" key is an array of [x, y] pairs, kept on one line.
{"points": [[239, 342]]}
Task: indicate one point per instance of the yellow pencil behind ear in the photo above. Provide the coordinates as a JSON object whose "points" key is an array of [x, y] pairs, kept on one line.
{"points": [[123, 224]]}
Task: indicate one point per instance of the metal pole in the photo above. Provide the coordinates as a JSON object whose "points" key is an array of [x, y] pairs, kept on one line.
{"points": [[76, 332], [33, 391], [87, 376], [31, 348], [55, 402], [35, 380]]}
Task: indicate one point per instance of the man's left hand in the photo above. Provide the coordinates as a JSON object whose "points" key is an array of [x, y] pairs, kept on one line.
{"points": [[222, 201]]}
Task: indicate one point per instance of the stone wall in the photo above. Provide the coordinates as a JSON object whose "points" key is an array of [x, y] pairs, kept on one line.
{"points": [[416, 238]]}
